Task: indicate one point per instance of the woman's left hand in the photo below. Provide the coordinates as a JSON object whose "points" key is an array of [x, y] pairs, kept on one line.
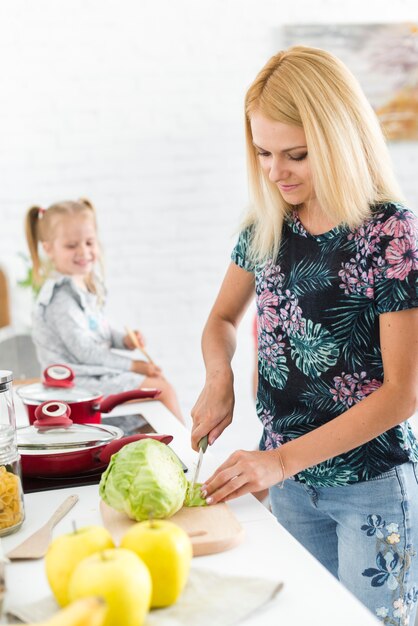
{"points": [[127, 340], [243, 472]]}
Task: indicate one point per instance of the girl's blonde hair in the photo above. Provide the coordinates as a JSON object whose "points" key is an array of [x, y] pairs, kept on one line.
{"points": [[348, 157], [40, 225]]}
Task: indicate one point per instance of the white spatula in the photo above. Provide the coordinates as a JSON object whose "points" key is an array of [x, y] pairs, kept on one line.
{"points": [[35, 546]]}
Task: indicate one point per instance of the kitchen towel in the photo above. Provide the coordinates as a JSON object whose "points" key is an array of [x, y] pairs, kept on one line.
{"points": [[208, 598]]}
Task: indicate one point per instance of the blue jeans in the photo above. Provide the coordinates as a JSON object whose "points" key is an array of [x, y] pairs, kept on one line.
{"points": [[365, 534]]}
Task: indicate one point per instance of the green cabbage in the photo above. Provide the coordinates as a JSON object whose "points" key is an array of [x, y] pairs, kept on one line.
{"points": [[145, 480], [193, 496]]}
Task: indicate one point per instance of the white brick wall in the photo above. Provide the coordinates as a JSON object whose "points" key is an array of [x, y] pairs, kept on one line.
{"points": [[137, 104]]}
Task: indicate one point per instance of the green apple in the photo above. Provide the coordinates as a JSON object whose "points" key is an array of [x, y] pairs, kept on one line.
{"points": [[166, 550], [66, 551], [121, 578]]}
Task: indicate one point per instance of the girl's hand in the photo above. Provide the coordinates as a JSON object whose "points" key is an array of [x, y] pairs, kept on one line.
{"points": [[213, 410], [129, 344], [243, 472], [145, 368]]}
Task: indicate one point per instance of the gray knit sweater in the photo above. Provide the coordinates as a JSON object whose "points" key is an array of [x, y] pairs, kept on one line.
{"points": [[69, 327]]}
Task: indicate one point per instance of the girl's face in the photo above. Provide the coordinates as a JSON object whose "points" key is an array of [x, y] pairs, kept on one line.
{"points": [[283, 156], [73, 248]]}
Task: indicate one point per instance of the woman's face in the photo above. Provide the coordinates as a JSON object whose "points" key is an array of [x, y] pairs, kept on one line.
{"points": [[283, 156]]}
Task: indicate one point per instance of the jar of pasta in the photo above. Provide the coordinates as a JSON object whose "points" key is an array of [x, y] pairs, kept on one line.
{"points": [[12, 512]]}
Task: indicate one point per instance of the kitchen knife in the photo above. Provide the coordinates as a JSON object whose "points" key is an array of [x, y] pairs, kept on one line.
{"points": [[203, 444]]}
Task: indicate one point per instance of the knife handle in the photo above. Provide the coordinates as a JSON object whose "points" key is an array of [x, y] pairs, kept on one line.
{"points": [[203, 443]]}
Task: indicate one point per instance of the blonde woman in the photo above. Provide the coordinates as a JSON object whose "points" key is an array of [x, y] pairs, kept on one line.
{"points": [[69, 325], [331, 255]]}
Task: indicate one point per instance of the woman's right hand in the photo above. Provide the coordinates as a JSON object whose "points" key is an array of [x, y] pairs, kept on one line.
{"points": [[145, 368], [214, 408]]}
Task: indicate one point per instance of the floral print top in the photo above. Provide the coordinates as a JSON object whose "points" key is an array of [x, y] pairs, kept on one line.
{"points": [[318, 308]]}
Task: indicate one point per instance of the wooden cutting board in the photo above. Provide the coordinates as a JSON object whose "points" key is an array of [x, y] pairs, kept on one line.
{"points": [[211, 528]]}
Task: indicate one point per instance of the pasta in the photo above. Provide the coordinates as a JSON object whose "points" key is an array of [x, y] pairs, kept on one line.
{"points": [[11, 510]]}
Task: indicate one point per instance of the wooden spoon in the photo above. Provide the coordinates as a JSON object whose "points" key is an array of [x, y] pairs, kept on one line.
{"points": [[35, 546], [136, 343]]}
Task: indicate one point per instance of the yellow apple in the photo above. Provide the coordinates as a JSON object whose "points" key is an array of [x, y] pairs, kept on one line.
{"points": [[166, 550], [66, 551], [121, 578]]}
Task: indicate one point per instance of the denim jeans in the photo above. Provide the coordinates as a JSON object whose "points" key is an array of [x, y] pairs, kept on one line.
{"points": [[365, 534]]}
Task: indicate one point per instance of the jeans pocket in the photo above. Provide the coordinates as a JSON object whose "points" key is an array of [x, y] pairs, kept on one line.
{"points": [[389, 474], [415, 471]]}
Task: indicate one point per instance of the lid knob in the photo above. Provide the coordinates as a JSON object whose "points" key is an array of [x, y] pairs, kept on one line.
{"points": [[58, 375], [53, 414]]}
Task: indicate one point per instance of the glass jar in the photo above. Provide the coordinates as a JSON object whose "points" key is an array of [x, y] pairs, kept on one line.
{"points": [[12, 511]]}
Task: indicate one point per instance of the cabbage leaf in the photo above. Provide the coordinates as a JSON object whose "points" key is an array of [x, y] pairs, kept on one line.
{"points": [[193, 496]]}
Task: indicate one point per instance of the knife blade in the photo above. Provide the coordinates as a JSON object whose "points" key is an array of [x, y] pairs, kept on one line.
{"points": [[203, 444]]}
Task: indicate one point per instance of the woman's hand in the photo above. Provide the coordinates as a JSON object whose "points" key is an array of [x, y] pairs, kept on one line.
{"points": [[129, 344], [243, 472], [214, 408], [145, 368]]}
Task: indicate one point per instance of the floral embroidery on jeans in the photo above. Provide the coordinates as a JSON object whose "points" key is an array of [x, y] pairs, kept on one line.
{"points": [[374, 526], [402, 608], [390, 570]]}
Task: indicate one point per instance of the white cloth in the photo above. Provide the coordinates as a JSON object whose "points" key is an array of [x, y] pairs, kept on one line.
{"points": [[208, 598]]}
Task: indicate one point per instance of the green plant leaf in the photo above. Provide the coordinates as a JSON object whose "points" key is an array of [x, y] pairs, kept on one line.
{"points": [[306, 277], [315, 351], [277, 374]]}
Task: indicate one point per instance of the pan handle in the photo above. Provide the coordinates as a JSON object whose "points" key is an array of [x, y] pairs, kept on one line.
{"points": [[115, 446], [115, 399]]}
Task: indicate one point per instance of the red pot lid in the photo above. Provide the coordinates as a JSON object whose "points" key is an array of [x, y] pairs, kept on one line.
{"points": [[37, 393], [32, 440]]}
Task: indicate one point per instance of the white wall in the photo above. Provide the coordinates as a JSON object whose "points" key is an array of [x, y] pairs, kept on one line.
{"points": [[138, 105]]}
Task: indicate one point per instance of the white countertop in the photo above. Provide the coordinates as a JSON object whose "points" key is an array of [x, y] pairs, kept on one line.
{"points": [[311, 596]]}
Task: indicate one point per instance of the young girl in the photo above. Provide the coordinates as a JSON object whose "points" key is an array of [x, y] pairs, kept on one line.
{"points": [[68, 321], [331, 255]]}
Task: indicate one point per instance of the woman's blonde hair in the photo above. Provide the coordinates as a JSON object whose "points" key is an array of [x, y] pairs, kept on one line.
{"points": [[40, 225], [348, 157]]}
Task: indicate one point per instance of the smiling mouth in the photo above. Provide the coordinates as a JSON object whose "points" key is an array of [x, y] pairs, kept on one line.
{"points": [[288, 187]]}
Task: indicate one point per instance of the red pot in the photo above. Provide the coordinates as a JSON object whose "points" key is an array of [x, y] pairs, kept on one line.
{"points": [[55, 446], [86, 408]]}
